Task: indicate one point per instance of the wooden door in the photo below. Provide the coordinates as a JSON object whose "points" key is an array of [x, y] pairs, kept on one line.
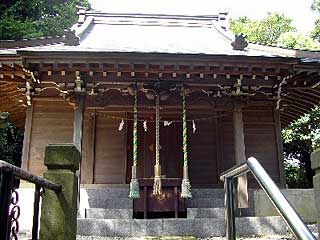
{"points": [[170, 150]]}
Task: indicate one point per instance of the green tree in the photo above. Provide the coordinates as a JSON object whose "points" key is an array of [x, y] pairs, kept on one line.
{"points": [[11, 141], [36, 18], [300, 139], [297, 40], [265, 31], [315, 34]]}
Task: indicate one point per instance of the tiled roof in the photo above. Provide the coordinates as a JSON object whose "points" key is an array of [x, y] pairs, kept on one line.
{"points": [[158, 33]]}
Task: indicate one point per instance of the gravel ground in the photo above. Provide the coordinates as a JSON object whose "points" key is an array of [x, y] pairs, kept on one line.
{"points": [[28, 237], [275, 237]]}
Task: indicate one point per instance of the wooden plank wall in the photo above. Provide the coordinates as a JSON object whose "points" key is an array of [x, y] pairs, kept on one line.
{"points": [[261, 139], [105, 155], [52, 122], [110, 151], [203, 153]]}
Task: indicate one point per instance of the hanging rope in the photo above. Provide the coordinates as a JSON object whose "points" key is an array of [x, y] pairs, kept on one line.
{"points": [[134, 185], [185, 185], [157, 167]]}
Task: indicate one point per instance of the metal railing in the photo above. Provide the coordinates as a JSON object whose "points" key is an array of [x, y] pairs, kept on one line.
{"points": [[290, 216], [9, 198]]}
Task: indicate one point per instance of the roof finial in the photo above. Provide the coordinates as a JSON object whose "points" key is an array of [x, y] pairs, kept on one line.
{"points": [[239, 42], [70, 38]]}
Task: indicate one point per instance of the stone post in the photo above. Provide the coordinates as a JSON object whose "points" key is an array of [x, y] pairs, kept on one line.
{"points": [[315, 164], [59, 211]]}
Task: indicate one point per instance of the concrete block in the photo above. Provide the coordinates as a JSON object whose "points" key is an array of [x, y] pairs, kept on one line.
{"points": [[315, 160], [101, 213], [121, 228], [208, 193], [204, 202], [205, 212], [96, 227], [111, 203], [179, 227], [146, 227], [297, 198], [62, 156], [206, 227], [107, 192], [59, 211], [260, 226]]}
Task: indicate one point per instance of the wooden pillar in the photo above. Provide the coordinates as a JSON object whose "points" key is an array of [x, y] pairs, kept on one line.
{"points": [[276, 119], [240, 155], [92, 151], [26, 139], [78, 124], [219, 143], [77, 139]]}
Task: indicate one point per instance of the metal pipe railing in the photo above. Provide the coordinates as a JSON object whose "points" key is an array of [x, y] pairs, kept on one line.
{"points": [[290, 216]]}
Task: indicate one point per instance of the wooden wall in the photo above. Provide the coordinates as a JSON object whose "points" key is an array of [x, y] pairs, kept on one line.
{"points": [[52, 122], [110, 151], [106, 151], [260, 132]]}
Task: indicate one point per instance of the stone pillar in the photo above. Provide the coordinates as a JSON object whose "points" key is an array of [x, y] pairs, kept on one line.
{"points": [[315, 164], [59, 211]]}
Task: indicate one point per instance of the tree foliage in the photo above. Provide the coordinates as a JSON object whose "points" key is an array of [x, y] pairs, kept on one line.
{"points": [[11, 141], [265, 31], [36, 18], [316, 31], [297, 40], [300, 139]]}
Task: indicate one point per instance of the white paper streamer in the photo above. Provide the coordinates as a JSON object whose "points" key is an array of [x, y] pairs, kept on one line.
{"points": [[166, 123], [145, 127], [121, 125], [194, 128]]}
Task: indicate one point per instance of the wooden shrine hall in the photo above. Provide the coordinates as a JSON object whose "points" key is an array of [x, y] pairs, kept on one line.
{"points": [[155, 99]]}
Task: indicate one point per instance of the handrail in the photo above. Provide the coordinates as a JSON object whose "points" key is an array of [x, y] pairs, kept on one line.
{"points": [[287, 212], [18, 172], [9, 226]]}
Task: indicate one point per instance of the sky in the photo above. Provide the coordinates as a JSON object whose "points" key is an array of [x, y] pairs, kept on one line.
{"points": [[298, 10]]}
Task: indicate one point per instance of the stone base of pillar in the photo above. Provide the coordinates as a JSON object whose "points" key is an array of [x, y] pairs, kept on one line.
{"points": [[59, 211]]}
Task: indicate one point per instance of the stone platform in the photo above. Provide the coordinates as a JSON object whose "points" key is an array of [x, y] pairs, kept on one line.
{"points": [[109, 214]]}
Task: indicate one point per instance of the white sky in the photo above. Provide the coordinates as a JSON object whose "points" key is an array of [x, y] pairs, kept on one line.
{"points": [[298, 10]]}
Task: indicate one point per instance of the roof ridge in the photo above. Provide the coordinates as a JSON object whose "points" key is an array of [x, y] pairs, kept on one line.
{"points": [[152, 15]]}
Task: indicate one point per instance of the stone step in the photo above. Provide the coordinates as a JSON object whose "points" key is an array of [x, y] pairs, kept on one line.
{"points": [[204, 202], [101, 213], [205, 212], [110, 203], [106, 192], [207, 193], [124, 191], [199, 227]]}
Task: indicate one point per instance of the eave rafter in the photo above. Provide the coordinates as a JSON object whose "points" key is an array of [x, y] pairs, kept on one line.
{"points": [[292, 84]]}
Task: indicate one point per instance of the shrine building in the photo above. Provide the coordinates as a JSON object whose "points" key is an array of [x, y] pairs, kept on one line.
{"points": [[156, 100]]}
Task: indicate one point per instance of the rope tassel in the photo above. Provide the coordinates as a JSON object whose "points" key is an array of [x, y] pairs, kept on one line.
{"points": [[134, 184], [185, 185], [157, 180], [157, 168]]}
